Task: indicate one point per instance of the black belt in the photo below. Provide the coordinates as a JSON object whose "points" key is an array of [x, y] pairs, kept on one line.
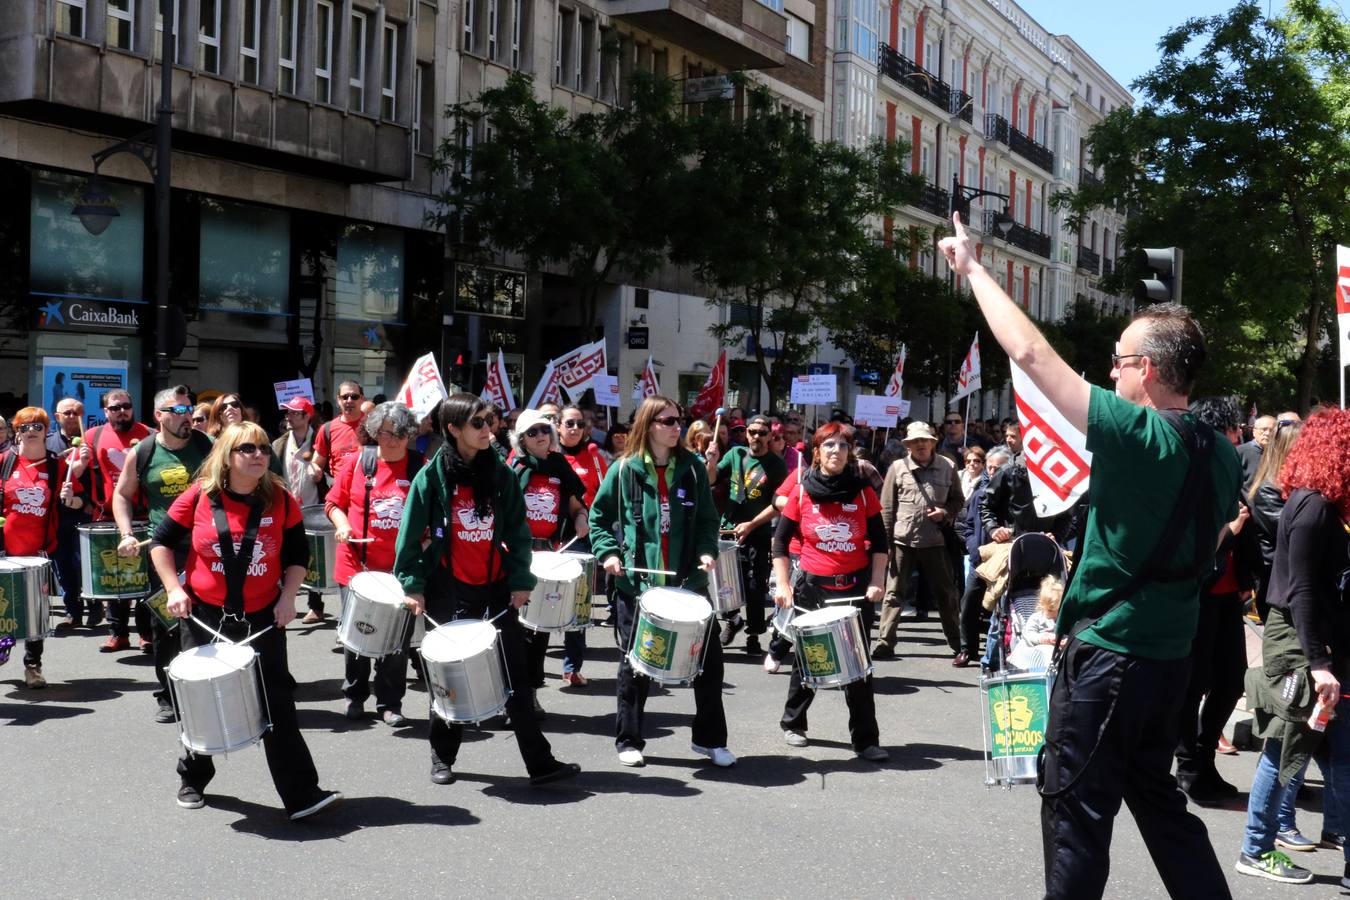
{"points": [[833, 582]]}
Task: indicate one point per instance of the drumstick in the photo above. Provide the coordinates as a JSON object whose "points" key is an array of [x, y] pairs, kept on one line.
{"points": [[846, 599], [717, 428], [253, 637], [144, 542], [430, 621], [210, 629], [352, 540], [564, 547], [650, 571]]}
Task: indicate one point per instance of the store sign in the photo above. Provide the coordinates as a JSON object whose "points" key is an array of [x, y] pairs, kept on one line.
{"points": [[88, 315], [638, 338]]}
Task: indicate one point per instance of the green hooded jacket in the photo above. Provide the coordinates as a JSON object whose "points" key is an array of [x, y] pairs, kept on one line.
{"points": [[426, 516], [628, 503]]}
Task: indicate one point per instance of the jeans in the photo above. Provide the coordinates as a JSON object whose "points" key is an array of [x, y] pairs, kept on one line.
{"points": [[66, 561], [120, 615], [536, 648], [1288, 820], [1265, 799], [972, 610]]}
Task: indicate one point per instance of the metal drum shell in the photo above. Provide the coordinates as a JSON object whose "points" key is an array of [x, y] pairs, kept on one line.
{"points": [[552, 606], [465, 671], [29, 577], [670, 625], [374, 617], [1009, 769], [593, 573], [322, 537], [99, 540], [782, 623], [839, 627], [218, 693], [726, 589]]}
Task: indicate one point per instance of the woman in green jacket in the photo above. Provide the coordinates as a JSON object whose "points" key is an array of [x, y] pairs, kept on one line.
{"points": [[463, 551], [655, 511]]}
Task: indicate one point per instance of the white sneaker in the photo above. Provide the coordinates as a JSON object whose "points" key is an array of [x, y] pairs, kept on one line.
{"points": [[631, 757], [720, 756], [771, 665]]}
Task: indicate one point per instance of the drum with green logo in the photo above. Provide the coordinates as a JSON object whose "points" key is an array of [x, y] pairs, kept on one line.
{"points": [[1015, 708], [320, 533], [831, 647], [25, 601], [158, 604], [669, 634], [586, 595], [104, 575]]}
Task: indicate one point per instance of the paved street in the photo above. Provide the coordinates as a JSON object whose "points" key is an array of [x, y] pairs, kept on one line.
{"points": [[88, 797]]}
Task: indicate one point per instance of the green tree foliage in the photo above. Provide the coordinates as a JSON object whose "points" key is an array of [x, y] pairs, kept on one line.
{"points": [[1238, 154]]}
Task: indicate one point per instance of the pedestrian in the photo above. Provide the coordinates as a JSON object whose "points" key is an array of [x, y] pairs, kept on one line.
{"points": [[64, 440], [339, 438], [1251, 451], [226, 410], [590, 462], [1266, 501], [970, 528], [1161, 487], [201, 417], [293, 455]]}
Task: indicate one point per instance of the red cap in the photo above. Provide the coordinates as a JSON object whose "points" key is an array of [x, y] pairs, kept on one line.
{"points": [[298, 404], [737, 423]]}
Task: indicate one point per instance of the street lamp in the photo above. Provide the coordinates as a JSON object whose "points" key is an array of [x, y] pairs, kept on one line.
{"points": [[95, 207], [962, 195]]}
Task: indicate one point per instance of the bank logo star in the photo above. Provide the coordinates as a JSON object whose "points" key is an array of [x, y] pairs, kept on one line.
{"points": [[372, 335], [52, 313]]}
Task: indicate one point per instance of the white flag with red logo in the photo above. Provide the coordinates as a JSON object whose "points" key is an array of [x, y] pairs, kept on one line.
{"points": [[1055, 453], [1343, 305], [423, 389], [713, 393], [647, 385], [576, 369], [498, 391], [546, 391], [968, 379], [897, 382]]}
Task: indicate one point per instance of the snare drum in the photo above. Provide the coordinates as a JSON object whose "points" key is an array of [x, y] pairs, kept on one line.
{"points": [[321, 535], [25, 597], [374, 616], [465, 671], [726, 591], [217, 690], [585, 598], [562, 585], [831, 647], [669, 634], [1015, 711], [782, 623], [103, 574]]}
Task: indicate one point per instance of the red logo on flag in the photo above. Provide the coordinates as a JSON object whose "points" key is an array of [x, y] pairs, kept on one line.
{"points": [[1048, 456], [1343, 291]]}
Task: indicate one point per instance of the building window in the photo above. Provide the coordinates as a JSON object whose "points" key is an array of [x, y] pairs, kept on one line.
{"points": [[798, 37], [389, 83], [323, 52], [70, 17], [520, 10], [67, 261], [369, 274], [159, 31], [492, 19], [208, 37], [469, 46], [288, 40], [564, 61], [424, 112], [356, 65], [773, 4], [245, 258], [586, 58], [121, 24], [250, 39]]}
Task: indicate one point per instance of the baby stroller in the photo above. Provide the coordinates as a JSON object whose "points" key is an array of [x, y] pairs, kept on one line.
{"points": [[1032, 557]]}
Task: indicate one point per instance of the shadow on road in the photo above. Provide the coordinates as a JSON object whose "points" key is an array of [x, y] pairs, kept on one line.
{"points": [[587, 784], [85, 690], [894, 685], [35, 713], [319, 691], [929, 756], [353, 814]]}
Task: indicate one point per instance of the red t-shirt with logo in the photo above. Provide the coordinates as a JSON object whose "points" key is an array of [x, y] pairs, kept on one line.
{"points": [[30, 507], [205, 572], [543, 504], [590, 467], [789, 487], [386, 512], [111, 449], [833, 535], [663, 494], [338, 440], [470, 545]]}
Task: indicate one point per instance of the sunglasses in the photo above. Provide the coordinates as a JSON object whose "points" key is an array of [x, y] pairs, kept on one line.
{"points": [[952, 422], [667, 421], [119, 407], [252, 449], [479, 422], [349, 397], [573, 423], [537, 430], [31, 427], [842, 446], [232, 404], [181, 409], [199, 420], [757, 432]]}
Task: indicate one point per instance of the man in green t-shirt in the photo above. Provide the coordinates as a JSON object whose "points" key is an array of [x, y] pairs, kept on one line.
{"points": [[754, 473], [175, 453], [1121, 678]]}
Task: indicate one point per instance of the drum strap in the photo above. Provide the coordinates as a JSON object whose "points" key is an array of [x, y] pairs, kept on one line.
{"points": [[235, 564]]}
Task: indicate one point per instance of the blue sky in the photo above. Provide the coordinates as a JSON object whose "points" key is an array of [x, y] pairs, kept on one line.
{"points": [[1124, 39]]}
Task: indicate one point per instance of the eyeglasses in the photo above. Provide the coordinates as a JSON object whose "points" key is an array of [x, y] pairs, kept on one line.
{"points": [[952, 422], [68, 412], [199, 420], [667, 421], [31, 427], [181, 409], [537, 430], [252, 449], [756, 432], [119, 407], [349, 397], [479, 422], [1117, 357], [232, 404], [573, 423], [836, 447], [392, 435]]}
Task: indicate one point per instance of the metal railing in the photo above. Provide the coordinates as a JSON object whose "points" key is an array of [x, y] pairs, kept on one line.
{"points": [[962, 105], [915, 77], [935, 200], [1088, 178], [1030, 240], [1089, 259], [1107, 265], [1025, 147], [996, 128]]}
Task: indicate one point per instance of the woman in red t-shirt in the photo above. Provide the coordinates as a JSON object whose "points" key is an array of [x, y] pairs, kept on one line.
{"points": [[835, 513], [366, 511], [29, 508], [241, 579]]}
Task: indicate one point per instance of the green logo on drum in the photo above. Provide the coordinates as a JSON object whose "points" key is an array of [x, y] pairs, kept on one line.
{"points": [[655, 646], [1017, 717], [820, 655]]}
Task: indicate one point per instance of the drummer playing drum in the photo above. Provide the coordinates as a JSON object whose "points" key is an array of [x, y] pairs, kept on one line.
{"points": [[657, 494], [836, 515]]}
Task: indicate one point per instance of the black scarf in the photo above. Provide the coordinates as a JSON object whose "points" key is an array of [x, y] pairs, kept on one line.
{"points": [[555, 465], [476, 474], [839, 488]]}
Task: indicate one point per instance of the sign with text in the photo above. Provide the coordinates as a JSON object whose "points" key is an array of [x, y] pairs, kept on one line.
{"points": [[878, 412], [85, 380], [297, 387], [606, 389], [814, 389]]}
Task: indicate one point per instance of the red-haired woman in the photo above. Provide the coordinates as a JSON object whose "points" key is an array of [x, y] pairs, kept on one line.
{"points": [[835, 514], [1308, 631]]}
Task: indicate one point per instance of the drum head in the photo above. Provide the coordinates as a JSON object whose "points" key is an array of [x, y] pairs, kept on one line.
{"points": [[316, 519], [210, 661], [458, 640], [378, 587], [99, 527], [32, 562], [724, 546], [824, 616], [549, 566], [583, 558], [676, 604], [9, 566]]}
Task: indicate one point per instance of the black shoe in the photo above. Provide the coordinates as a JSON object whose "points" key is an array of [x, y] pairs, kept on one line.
{"points": [[69, 623], [731, 628], [1333, 840], [355, 710], [752, 645], [883, 651], [325, 800], [94, 618], [190, 798], [562, 772], [441, 774], [164, 715]]}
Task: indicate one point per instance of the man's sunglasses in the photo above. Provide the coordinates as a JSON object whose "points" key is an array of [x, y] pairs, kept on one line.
{"points": [[120, 407], [667, 421], [252, 449], [537, 430], [757, 432], [350, 397], [181, 409], [952, 422]]}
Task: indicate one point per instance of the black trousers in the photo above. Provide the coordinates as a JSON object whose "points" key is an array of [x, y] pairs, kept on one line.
{"points": [[166, 643], [288, 759], [756, 561], [1218, 666], [972, 613], [862, 709], [391, 675], [710, 719], [448, 599], [1111, 736], [120, 614]]}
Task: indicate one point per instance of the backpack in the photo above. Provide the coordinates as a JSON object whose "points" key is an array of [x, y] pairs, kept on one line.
{"points": [[145, 451]]}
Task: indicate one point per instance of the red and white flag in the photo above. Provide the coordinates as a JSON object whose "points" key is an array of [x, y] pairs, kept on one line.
{"points": [[423, 389], [577, 368], [968, 379], [498, 391], [897, 383], [647, 385], [546, 391], [1343, 310], [714, 391], [1056, 453]]}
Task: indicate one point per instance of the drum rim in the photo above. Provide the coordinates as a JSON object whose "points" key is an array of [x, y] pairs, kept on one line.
{"points": [[458, 624], [831, 614], [680, 593]]}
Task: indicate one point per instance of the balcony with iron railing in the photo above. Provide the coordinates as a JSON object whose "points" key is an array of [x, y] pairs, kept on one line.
{"points": [[904, 71], [962, 105], [1088, 178], [1030, 240], [1089, 259], [1107, 265], [1027, 148], [996, 128], [935, 200]]}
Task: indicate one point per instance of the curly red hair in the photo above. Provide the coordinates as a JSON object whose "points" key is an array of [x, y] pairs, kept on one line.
{"points": [[1320, 459]]}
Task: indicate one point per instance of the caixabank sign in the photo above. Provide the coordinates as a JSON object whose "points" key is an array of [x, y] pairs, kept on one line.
{"points": [[82, 314]]}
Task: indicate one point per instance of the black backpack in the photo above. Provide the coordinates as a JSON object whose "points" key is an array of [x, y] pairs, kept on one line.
{"points": [[369, 461]]}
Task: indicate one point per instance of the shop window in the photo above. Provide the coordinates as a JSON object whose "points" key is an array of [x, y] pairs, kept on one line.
{"points": [[370, 274], [67, 261], [245, 258]]}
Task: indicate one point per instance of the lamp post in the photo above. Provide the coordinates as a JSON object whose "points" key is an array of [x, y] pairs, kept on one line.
{"points": [[153, 147], [962, 195]]}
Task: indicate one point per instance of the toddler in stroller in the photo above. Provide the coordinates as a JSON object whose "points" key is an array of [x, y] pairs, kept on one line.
{"points": [[1036, 575]]}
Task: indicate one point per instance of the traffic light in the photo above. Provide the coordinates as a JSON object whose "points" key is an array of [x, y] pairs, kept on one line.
{"points": [[1165, 285], [460, 373]]}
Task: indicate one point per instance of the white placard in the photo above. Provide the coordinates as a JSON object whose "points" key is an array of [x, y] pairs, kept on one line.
{"points": [[878, 412], [299, 387], [814, 389], [606, 389]]}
